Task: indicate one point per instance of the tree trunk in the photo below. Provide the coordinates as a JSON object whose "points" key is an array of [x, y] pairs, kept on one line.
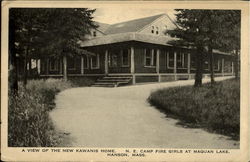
{"points": [[236, 64], [199, 67], [65, 75], [25, 67], [29, 72], [13, 72], [211, 60]]}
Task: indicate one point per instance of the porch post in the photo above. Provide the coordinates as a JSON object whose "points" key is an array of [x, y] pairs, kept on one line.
{"points": [[222, 66], [232, 67], [132, 64], [106, 62], [60, 66], [189, 60], [47, 67], [175, 67], [158, 64], [39, 66], [82, 67]]}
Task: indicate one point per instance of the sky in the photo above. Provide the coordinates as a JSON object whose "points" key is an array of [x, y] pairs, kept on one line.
{"points": [[120, 14]]}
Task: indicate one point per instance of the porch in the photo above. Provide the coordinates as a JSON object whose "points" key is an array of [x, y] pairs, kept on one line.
{"points": [[141, 61]]}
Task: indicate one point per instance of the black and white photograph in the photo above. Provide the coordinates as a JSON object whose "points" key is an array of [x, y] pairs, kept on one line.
{"points": [[91, 77]]}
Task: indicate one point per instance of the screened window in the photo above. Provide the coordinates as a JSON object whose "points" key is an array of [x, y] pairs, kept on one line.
{"points": [[113, 58], [71, 63], [95, 62], [43, 64], [170, 59], [85, 62], [206, 65], [193, 62], [181, 60], [125, 57], [53, 64], [150, 57], [216, 65]]}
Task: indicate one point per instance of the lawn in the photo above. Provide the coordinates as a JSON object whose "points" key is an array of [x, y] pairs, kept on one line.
{"points": [[29, 124], [217, 108]]}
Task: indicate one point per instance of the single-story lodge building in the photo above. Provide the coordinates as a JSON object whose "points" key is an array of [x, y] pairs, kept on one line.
{"points": [[133, 52]]}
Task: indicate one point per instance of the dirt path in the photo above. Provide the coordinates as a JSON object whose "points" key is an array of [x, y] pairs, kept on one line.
{"points": [[121, 117]]}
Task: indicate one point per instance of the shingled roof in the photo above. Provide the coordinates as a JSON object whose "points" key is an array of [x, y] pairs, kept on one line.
{"points": [[128, 31], [125, 37], [131, 26], [102, 26]]}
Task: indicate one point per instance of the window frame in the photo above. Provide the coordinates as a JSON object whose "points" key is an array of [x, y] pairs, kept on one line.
{"points": [[168, 60], [87, 61], [208, 65], [152, 30], [56, 64], [128, 54], [74, 61], [218, 66], [111, 60], [183, 59], [94, 33], [157, 30], [97, 62], [192, 68], [152, 55]]}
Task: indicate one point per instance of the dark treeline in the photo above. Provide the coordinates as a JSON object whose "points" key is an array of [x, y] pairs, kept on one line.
{"points": [[41, 32], [206, 30]]}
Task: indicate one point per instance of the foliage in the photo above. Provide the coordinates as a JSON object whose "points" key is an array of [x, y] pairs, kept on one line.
{"points": [[215, 108], [47, 32], [29, 124], [205, 30], [82, 81]]}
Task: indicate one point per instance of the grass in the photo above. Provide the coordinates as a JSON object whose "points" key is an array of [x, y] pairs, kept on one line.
{"points": [[216, 108], [29, 124]]}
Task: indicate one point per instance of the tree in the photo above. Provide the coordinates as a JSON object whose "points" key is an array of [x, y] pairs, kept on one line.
{"points": [[190, 34], [36, 33], [219, 28], [230, 37], [63, 31], [22, 25], [206, 30]]}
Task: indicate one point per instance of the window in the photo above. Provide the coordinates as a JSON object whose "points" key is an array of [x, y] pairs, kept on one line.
{"points": [[85, 62], [113, 58], [150, 57], [152, 31], [170, 60], [157, 30], [94, 33], [53, 64], [217, 65], [71, 63], [206, 65], [181, 60], [193, 62], [125, 57], [95, 63], [43, 64]]}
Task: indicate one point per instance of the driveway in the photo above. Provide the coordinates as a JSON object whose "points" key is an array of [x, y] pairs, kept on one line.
{"points": [[122, 117]]}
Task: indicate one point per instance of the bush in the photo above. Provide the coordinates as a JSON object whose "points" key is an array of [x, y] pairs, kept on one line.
{"points": [[82, 81], [215, 108], [28, 114]]}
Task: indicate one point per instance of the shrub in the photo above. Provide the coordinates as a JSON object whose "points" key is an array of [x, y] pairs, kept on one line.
{"points": [[215, 108], [82, 81], [28, 114]]}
